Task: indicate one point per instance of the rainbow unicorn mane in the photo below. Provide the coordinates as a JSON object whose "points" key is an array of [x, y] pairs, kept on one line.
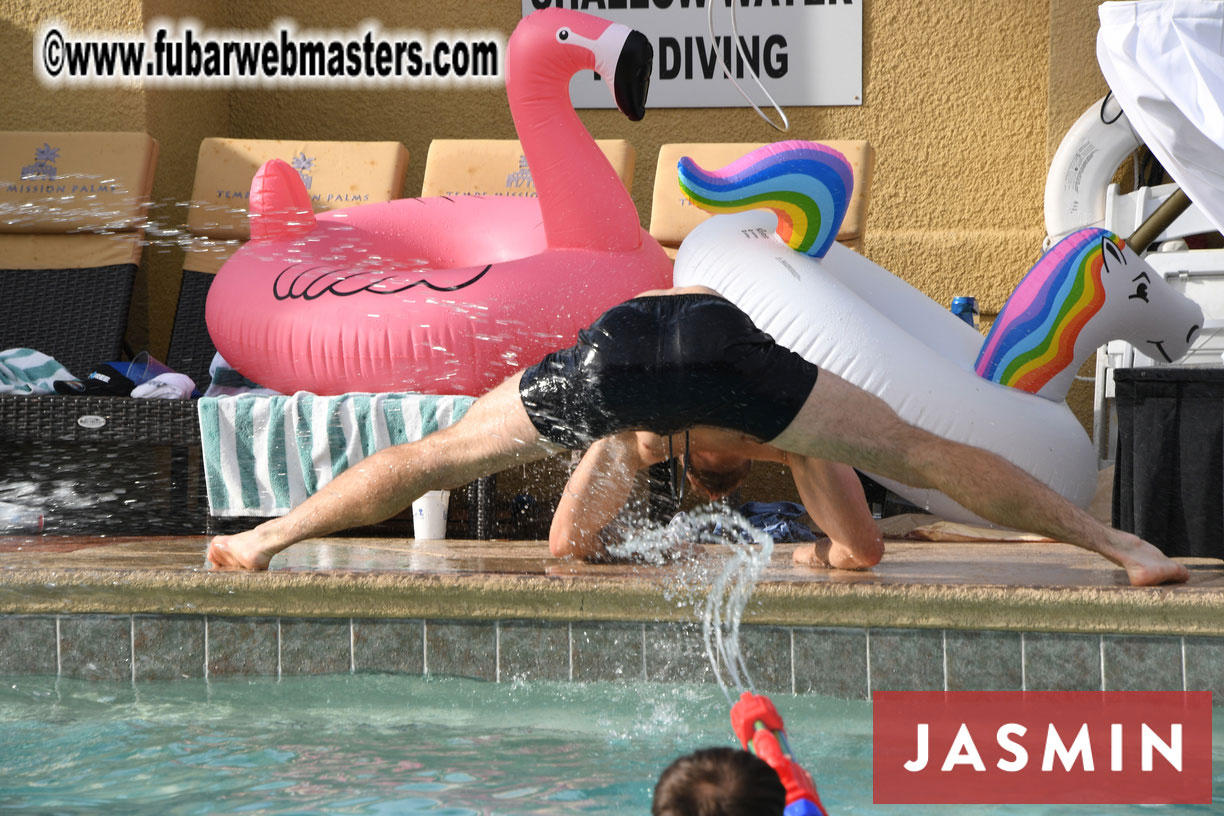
{"points": [[806, 184], [1033, 339]]}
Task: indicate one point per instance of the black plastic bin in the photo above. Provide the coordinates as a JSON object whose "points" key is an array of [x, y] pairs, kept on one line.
{"points": [[1169, 480]]}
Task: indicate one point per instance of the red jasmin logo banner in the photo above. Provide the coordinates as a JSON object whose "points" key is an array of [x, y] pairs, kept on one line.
{"points": [[1042, 747]]}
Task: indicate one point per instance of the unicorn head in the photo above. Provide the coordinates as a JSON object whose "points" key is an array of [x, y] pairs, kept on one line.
{"points": [[1088, 289]]}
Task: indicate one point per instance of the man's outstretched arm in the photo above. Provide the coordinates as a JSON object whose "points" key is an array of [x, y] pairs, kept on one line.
{"points": [[834, 498], [596, 491]]}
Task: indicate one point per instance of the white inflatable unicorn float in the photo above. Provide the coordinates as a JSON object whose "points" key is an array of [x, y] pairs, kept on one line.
{"points": [[772, 253]]}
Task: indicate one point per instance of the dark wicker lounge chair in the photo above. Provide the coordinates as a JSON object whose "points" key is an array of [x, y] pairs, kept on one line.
{"points": [[70, 245]]}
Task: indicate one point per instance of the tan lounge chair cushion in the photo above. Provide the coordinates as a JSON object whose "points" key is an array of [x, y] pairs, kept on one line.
{"points": [[498, 166], [56, 182], [337, 174]]}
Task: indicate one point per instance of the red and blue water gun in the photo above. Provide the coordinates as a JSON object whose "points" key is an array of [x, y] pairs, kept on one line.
{"points": [[760, 730]]}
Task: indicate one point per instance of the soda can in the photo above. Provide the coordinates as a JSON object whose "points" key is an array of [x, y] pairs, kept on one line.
{"points": [[966, 309]]}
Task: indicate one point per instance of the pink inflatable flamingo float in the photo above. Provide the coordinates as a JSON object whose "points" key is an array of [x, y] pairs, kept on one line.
{"points": [[449, 295]]}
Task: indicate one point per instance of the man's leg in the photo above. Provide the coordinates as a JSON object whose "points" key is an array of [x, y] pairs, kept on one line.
{"points": [[494, 434], [844, 423]]}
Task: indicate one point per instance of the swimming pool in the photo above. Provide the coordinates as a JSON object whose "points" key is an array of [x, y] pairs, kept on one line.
{"points": [[383, 744]]}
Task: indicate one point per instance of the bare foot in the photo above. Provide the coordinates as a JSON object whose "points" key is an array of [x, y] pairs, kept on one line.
{"points": [[827, 553], [1144, 564], [812, 555], [246, 551]]}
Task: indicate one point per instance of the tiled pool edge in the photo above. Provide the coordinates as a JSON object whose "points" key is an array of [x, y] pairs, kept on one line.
{"points": [[839, 639], [844, 662]]}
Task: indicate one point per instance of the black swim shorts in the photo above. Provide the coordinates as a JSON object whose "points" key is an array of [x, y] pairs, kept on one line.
{"points": [[665, 364]]}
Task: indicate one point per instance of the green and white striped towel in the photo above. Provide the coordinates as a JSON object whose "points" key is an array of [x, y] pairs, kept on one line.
{"points": [[264, 455], [26, 371]]}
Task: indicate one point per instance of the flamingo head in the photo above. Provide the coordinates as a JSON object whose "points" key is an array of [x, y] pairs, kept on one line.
{"points": [[562, 42]]}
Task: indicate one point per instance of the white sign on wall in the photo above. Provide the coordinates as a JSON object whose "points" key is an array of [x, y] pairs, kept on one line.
{"points": [[806, 52]]}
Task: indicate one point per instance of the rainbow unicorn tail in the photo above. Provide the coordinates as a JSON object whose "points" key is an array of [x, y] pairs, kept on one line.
{"points": [[806, 184]]}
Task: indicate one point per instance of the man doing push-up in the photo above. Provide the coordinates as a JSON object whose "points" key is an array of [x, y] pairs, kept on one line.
{"points": [[672, 360]]}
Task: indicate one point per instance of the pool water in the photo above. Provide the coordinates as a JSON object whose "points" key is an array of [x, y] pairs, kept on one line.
{"points": [[384, 744]]}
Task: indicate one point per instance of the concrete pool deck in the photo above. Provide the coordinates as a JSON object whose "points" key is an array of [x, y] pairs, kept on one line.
{"points": [[1024, 586]]}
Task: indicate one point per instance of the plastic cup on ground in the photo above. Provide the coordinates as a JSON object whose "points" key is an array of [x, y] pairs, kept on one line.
{"points": [[429, 515], [18, 520]]}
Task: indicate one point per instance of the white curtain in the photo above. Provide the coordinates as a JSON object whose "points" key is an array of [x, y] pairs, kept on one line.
{"points": [[1164, 61]]}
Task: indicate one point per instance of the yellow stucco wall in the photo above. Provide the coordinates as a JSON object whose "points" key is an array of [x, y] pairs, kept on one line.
{"points": [[964, 104]]}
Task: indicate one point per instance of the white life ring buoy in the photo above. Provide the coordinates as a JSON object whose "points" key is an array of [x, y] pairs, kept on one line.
{"points": [[1083, 167]]}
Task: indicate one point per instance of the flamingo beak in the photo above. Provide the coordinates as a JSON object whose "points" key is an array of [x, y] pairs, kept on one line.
{"points": [[632, 79]]}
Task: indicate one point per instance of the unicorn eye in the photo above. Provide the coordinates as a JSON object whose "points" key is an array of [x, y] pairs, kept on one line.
{"points": [[563, 34], [1141, 288]]}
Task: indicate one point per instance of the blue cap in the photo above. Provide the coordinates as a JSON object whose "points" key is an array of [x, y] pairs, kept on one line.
{"points": [[803, 807], [966, 309]]}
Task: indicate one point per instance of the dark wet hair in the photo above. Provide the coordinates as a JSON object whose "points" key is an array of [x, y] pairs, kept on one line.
{"points": [[719, 482], [719, 782]]}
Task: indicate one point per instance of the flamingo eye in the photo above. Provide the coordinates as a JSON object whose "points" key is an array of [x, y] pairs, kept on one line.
{"points": [[563, 34]]}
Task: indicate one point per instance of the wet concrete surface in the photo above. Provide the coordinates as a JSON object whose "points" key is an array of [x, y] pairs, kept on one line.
{"points": [[1030, 584], [1023, 563]]}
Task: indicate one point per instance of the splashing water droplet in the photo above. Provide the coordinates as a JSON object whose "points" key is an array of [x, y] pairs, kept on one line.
{"points": [[730, 582]]}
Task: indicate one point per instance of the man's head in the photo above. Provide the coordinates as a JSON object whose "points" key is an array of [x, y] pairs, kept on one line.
{"points": [[717, 474], [719, 782]]}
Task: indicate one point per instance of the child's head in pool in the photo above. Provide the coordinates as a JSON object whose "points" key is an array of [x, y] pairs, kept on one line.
{"points": [[719, 782]]}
